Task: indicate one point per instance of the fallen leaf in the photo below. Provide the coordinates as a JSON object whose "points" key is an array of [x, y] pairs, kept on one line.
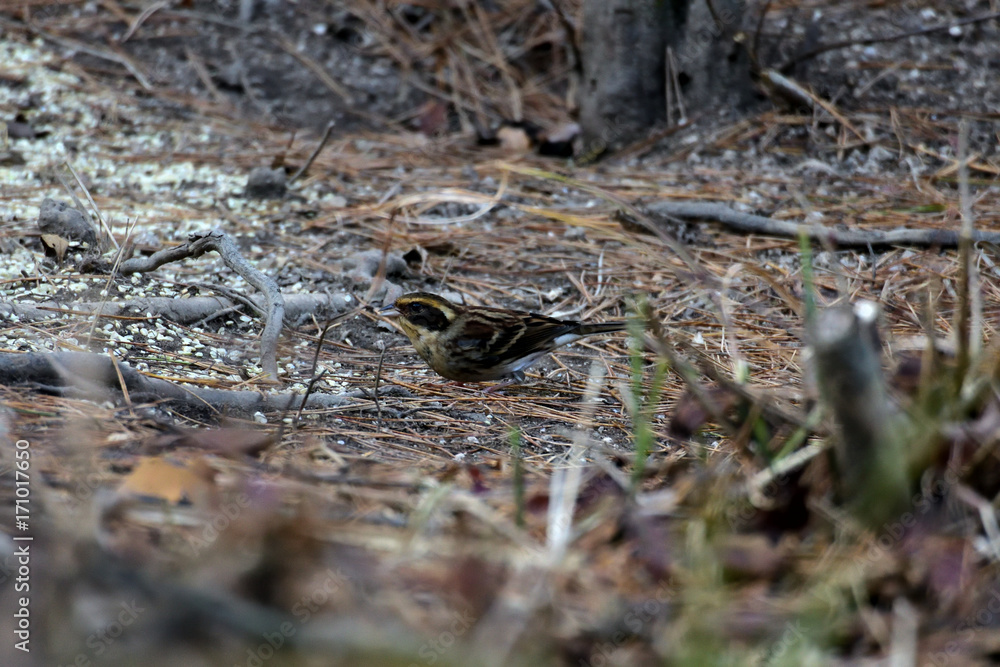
{"points": [[55, 244], [171, 481]]}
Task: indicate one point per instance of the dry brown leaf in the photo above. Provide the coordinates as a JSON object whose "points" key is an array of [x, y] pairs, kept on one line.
{"points": [[170, 480], [55, 244]]}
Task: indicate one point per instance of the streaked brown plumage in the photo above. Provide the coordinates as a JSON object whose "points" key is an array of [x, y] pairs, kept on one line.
{"points": [[477, 344]]}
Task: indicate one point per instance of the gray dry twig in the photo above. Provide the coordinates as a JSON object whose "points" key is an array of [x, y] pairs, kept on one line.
{"points": [[661, 211], [202, 242]]}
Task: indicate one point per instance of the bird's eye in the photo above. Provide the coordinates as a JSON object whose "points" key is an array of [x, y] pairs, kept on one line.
{"points": [[427, 316]]}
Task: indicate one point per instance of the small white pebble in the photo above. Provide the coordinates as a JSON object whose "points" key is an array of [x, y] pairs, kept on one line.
{"points": [[259, 418]]}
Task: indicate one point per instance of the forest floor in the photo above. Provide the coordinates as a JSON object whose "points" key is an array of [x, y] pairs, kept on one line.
{"points": [[422, 522]]}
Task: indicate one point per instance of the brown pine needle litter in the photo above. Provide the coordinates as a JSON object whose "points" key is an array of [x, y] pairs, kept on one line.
{"points": [[345, 530]]}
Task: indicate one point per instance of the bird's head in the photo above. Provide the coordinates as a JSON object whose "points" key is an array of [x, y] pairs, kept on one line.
{"points": [[422, 312]]}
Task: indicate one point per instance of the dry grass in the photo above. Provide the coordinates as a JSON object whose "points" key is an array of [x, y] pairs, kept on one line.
{"points": [[396, 533]]}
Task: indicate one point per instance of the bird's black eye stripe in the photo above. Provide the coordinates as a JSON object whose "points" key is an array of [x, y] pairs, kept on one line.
{"points": [[428, 317]]}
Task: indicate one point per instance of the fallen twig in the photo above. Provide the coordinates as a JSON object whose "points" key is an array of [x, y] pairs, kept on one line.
{"points": [[319, 147], [76, 45], [660, 212], [193, 311], [200, 243], [823, 48], [94, 376]]}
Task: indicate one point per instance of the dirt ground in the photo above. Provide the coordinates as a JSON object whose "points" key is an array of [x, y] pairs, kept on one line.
{"points": [[401, 510]]}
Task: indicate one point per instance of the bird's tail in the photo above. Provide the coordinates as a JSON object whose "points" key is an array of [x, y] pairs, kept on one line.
{"points": [[601, 328]]}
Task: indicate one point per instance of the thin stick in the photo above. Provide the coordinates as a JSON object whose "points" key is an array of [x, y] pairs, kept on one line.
{"points": [[379, 278], [319, 346], [121, 382], [141, 18], [119, 257], [378, 380], [660, 213], [100, 218], [315, 67], [964, 258], [305, 396], [319, 147], [823, 48], [754, 60], [85, 48]]}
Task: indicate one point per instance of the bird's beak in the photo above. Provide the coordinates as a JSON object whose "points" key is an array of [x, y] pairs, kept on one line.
{"points": [[388, 311]]}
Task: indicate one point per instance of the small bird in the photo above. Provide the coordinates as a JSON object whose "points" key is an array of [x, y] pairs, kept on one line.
{"points": [[477, 344]]}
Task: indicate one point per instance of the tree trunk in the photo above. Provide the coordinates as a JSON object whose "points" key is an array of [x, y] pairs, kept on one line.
{"points": [[624, 58]]}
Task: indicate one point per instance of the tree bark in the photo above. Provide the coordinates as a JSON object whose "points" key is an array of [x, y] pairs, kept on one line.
{"points": [[713, 65], [624, 59], [623, 46]]}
